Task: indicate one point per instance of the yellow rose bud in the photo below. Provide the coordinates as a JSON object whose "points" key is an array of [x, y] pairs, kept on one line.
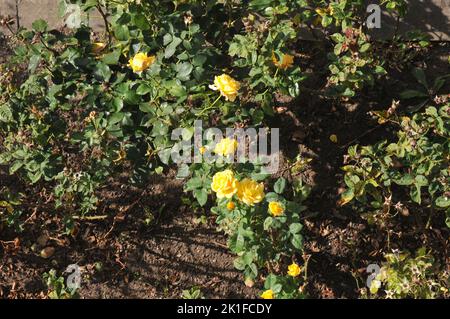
{"points": [[294, 270], [226, 147], [227, 86], [268, 294], [141, 62], [91, 117], [98, 47], [202, 150], [333, 138], [276, 209], [224, 184], [330, 10], [121, 155], [231, 205], [250, 192], [287, 61]]}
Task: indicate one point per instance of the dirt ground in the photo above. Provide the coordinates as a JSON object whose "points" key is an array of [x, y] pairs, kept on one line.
{"points": [[123, 257]]}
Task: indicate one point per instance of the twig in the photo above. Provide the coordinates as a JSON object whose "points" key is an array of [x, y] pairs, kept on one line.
{"points": [[305, 278], [123, 212], [32, 216], [99, 217], [220, 244], [362, 135]]}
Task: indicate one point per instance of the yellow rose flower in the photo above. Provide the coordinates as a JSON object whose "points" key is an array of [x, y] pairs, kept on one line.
{"points": [[141, 62], [227, 86], [250, 192], [231, 205], [276, 209], [226, 146], [286, 61], [294, 270], [202, 150], [98, 47], [268, 294], [224, 184]]}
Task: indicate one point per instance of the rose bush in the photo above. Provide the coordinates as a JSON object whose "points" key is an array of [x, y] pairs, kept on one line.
{"points": [[87, 110]]}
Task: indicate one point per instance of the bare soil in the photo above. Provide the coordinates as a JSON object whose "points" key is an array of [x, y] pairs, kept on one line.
{"points": [[123, 257]]}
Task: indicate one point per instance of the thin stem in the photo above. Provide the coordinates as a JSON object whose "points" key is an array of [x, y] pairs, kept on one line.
{"points": [[46, 46], [305, 278], [209, 107]]}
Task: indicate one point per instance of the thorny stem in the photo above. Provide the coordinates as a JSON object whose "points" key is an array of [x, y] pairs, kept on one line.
{"points": [[105, 19], [17, 14]]}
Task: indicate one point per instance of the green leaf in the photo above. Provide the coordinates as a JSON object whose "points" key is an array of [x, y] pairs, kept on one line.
{"points": [[364, 47], [297, 241], [239, 263], [117, 104], [184, 70], [416, 194], [267, 223], [346, 197], [140, 21], [442, 202], [34, 62], [171, 48], [326, 21], [201, 196], [15, 167], [146, 108], [5, 113], [40, 25], [111, 58], [116, 118], [103, 72], [247, 258], [34, 177], [175, 88], [270, 282], [193, 183], [199, 60], [295, 228], [420, 76], [271, 197], [279, 185], [405, 180], [421, 180], [143, 89], [121, 32], [410, 94]]}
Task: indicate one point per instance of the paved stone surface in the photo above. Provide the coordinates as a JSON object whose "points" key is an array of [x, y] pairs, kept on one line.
{"points": [[31, 10], [430, 16]]}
